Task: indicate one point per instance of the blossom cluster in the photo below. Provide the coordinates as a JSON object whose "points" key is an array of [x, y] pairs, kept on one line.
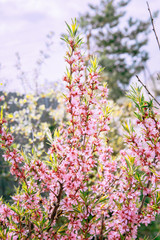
{"points": [[81, 191]]}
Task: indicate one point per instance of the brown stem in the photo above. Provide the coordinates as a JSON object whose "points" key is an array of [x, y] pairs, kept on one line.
{"points": [[56, 206], [152, 22], [20, 223], [147, 90], [54, 212], [102, 225], [143, 199], [30, 228]]}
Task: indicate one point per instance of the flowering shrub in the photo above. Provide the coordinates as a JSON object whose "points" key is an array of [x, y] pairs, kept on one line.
{"points": [[81, 192]]}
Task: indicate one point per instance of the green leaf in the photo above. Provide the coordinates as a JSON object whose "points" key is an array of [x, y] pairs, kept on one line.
{"points": [[15, 210], [69, 29], [62, 229], [138, 116], [49, 135], [84, 195]]}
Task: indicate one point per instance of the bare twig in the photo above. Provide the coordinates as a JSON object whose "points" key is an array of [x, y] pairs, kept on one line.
{"points": [[147, 90], [152, 22]]}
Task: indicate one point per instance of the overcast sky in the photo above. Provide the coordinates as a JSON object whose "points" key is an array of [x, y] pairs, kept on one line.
{"points": [[25, 24]]}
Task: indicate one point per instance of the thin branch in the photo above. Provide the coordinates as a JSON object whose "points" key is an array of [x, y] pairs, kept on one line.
{"points": [[56, 206], [95, 237], [144, 198], [102, 225], [54, 212], [156, 235], [152, 22], [147, 90]]}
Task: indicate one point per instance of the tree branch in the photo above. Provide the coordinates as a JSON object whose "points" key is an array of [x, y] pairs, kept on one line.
{"points": [[102, 225], [147, 90], [152, 22], [143, 199], [54, 212]]}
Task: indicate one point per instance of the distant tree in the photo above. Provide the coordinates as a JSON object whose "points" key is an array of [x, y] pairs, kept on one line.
{"points": [[119, 42]]}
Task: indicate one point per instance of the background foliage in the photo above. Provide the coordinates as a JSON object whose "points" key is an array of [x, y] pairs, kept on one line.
{"points": [[118, 41]]}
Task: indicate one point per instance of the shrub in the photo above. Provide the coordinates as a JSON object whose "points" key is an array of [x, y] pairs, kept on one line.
{"points": [[81, 192]]}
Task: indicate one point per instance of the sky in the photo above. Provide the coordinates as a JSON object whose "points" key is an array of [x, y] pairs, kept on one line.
{"points": [[24, 26]]}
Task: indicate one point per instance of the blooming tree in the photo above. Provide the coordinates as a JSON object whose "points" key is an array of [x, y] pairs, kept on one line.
{"points": [[81, 191]]}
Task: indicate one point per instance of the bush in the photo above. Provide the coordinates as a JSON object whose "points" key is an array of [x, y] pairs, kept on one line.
{"points": [[81, 191]]}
